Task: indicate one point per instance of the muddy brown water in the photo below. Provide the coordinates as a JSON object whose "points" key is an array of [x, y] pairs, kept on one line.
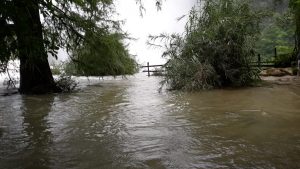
{"points": [[127, 123]]}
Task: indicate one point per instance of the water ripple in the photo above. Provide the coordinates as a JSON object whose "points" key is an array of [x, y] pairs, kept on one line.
{"points": [[127, 123]]}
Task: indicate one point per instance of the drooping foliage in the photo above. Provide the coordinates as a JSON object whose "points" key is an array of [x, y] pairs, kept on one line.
{"points": [[216, 49], [96, 49], [99, 50], [101, 56], [8, 43], [30, 30], [64, 23]]}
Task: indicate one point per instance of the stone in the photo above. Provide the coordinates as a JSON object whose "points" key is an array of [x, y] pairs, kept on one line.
{"points": [[277, 72]]}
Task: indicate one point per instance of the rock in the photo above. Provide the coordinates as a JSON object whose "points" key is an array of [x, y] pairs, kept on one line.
{"points": [[283, 80], [276, 72], [288, 71], [263, 73]]}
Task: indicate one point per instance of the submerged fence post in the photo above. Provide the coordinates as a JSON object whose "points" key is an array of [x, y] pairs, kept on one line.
{"points": [[148, 66]]}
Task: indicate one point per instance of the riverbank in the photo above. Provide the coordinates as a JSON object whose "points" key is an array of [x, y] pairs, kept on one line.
{"points": [[283, 80]]}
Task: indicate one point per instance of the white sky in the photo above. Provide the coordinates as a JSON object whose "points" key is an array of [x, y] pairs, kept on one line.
{"points": [[153, 22]]}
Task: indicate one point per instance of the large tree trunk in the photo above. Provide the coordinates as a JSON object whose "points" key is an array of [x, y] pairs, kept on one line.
{"points": [[35, 73]]}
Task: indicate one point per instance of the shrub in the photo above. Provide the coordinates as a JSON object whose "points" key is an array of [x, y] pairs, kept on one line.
{"points": [[284, 60], [216, 49], [295, 70], [66, 83], [56, 69]]}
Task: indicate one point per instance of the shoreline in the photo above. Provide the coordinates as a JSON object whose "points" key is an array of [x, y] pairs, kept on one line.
{"points": [[281, 80]]}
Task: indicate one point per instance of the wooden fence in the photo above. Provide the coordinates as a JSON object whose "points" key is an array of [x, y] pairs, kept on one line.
{"points": [[260, 64], [151, 66]]}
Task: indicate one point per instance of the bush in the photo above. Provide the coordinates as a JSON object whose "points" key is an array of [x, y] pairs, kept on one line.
{"points": [[56, 69], [284, 60], [217, 48], [66, 83], [70, 69], [295, 71]]}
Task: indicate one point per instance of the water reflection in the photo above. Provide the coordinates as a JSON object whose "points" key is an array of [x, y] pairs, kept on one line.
{"points": [[157, 136], [25, 131], [87, 134], [36, 126]]}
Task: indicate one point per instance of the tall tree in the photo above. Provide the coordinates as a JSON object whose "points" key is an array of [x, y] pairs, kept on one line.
{"points": [[35, 73], [30, 30]]}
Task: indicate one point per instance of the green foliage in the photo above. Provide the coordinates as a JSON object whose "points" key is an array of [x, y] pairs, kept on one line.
{"points": [[100, 56], [66, 83], [278, 32], [217, 48], [70, 68], [96, 48], [281, 29], [8, 42], [295, 6], [295, 71], [64, 23], [67, 22], [284, 60], [83, 27], [56, 69]]}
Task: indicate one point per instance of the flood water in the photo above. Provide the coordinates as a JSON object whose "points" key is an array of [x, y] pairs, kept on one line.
{"points": [[127, 123]]}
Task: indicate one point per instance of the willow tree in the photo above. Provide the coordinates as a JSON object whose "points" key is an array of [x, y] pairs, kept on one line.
{"points": [[104, 55], [217, 47], [32, 29]]}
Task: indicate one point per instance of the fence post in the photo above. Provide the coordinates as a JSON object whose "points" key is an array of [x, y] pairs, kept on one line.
{"points": [[275, 52], [259, 60], [148, 66]]}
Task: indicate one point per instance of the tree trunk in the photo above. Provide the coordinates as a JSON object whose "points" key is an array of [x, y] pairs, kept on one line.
{"points": [[35, 73]]}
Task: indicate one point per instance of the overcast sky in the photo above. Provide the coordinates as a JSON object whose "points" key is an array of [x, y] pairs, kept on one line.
{"points": [[153, 22]]}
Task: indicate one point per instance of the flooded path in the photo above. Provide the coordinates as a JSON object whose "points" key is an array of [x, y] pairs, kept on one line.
{"points": [[127, 123]]}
